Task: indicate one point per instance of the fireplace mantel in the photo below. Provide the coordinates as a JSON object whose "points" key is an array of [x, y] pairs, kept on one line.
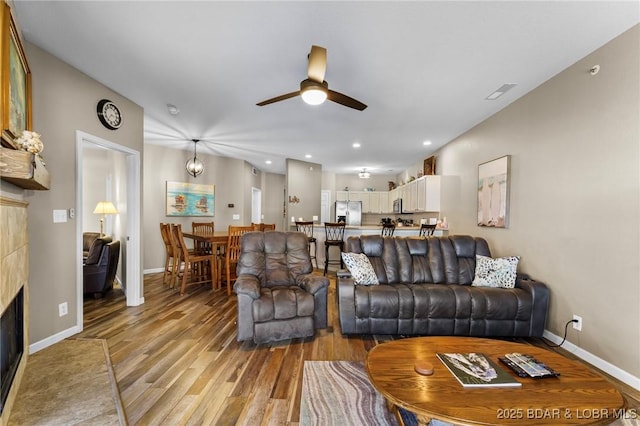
{"points": [[23, 169]]}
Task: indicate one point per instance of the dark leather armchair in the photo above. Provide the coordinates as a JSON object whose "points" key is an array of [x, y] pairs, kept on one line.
{"points": [[279, 297], [88, 238], [100, 271]]}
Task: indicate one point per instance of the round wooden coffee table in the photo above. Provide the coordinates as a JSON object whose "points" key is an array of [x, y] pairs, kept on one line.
{"points": [[578, 396]]}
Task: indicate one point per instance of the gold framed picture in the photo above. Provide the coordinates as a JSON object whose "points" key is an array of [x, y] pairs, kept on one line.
{"points": [[15, 80], [429, 167]]}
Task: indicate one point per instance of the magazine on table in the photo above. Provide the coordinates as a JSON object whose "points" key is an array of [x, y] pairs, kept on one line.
{"points": [[477, 370]]}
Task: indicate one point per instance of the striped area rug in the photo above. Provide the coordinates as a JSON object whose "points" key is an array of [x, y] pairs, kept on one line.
{"points": [[339, 393]]}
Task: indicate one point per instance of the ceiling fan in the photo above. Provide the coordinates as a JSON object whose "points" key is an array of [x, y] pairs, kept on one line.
{"points": [[314, 90]]}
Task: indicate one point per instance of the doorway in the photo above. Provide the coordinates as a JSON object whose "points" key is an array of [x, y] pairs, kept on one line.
{"points": [[256, 205], [125, 226]]}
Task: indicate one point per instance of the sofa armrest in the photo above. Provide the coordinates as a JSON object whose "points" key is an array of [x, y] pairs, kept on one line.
{"points": [[540, 301], [247, 285], [343, 273], [318, 286], [312, 283], [345, 294]]}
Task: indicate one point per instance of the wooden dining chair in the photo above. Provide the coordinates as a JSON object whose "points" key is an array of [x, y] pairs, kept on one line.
{"points": [[196, 266], [268, 227], [171, 256], [202, 228], [427, 230], [233, 251]]}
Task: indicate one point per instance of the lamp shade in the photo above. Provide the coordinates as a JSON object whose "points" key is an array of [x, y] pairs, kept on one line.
{"points": [[105, 207]]}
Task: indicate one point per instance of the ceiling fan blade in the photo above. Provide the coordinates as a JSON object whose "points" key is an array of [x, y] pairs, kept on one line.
{"points": [[345, 100], [317, 63], [279, 98]]}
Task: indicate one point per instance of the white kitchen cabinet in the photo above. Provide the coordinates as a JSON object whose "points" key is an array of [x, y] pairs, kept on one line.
{"points": [[362, 196], [428, 194], [394, 194], [379, 202], [372, 201], [409, 195], [383, 202]]}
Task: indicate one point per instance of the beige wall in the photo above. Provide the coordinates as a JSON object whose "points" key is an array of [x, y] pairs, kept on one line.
{"points": [[303, 181], [575, 195], [64, 101], [273, 199]]}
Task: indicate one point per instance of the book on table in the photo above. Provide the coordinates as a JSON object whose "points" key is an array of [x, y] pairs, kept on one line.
{"points": [[473, 369]]}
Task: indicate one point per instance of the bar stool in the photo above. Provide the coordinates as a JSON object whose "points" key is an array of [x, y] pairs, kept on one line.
{"points": [[334, 236], [427, 230], [307, 229], [388, 229]]}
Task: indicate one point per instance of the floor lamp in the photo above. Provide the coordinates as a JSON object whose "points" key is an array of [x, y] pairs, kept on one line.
{"points": [[104, 208]]}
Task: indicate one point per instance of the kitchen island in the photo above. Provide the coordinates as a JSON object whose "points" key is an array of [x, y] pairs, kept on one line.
{"points": [[400, 231]]}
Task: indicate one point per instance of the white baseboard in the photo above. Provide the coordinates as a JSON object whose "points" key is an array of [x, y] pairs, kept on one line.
{"points": [[45, 343], [152, 271], [597, 362]]}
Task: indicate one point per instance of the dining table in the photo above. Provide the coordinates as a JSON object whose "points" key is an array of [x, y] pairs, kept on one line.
{"points": [[217, 240]]}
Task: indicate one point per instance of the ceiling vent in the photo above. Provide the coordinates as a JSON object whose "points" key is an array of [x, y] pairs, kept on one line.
{"points": [[501, 91]]}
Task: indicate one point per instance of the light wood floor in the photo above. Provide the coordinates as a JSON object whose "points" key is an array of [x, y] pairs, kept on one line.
{"points": [[177, 360]]}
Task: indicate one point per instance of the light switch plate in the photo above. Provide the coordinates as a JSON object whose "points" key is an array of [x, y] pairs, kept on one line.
{"points": [[59, 216], [236, 217], [315, 218]]}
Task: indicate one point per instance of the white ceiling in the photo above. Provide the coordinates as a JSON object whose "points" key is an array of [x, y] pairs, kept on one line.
{"points": [[423, 68]]}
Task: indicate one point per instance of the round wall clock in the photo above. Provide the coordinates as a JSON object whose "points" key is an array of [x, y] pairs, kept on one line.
{"points": [[109, 114]]}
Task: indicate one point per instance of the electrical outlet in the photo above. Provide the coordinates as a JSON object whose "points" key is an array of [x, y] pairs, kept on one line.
{"points": [[62, 309], [577, 322]]}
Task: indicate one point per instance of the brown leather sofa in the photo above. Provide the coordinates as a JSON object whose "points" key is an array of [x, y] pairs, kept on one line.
{"points": [[99, 271], [279, 297], [425, 289]]}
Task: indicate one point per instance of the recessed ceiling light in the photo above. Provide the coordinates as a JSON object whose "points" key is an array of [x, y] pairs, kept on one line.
{"points": [[173, 110], [356, 145], [307, 156], [425, 143], [268, 161], [501, 91]]}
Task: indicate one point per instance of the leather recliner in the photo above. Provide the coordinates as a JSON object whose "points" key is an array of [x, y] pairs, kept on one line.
{"points": [[279, 297], [425, 289], [99, 273]]}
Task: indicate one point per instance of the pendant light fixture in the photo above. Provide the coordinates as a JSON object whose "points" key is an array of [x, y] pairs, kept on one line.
{"points": [[194, 166]]}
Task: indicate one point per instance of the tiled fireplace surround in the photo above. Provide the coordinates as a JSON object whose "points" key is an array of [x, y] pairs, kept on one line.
{"points": [[14, 271]]}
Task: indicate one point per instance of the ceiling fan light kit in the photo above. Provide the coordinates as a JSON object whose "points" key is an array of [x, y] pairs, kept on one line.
{"points": [[314, 90], [364, 174], [194, 166]]}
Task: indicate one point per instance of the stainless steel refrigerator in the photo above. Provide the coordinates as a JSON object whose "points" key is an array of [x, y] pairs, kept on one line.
{"points": [[350, 211]]}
